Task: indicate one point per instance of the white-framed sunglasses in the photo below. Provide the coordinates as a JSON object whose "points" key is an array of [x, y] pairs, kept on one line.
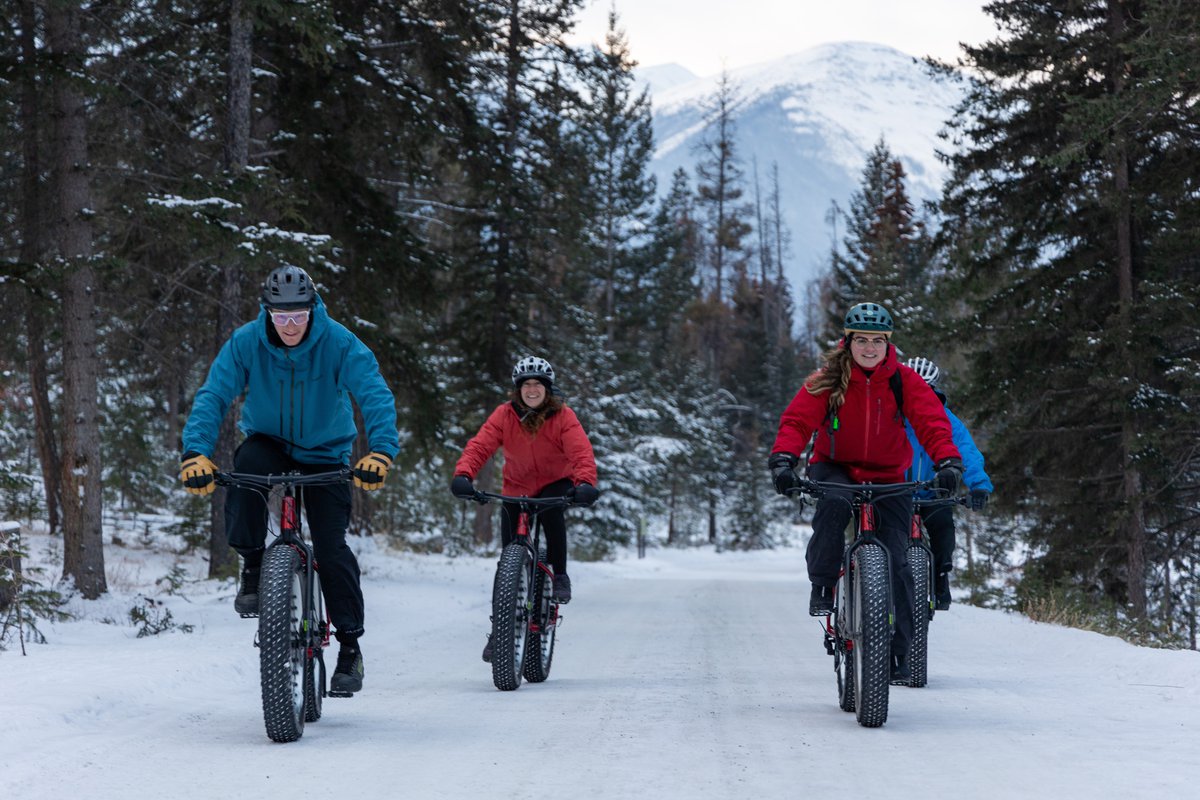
{"points": [[295, 317]]}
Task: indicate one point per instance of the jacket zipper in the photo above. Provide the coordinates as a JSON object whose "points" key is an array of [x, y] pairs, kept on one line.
{"points": [[866, 421]]}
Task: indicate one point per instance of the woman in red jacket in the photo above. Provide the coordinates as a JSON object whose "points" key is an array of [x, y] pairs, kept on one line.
{"points": [[546, 454], [853, 407]]}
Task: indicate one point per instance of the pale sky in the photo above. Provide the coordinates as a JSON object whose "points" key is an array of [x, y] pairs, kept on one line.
{"points": [[706, 36]]}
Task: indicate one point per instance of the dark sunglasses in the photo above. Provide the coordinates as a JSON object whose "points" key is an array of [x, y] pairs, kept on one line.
{"points": [[295, 317]]}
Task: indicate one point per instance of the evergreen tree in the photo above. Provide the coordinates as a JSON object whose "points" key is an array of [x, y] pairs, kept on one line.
{"points": [[1069, 215], [619, 127], [886, 250], [670, 284], [720, 187]]}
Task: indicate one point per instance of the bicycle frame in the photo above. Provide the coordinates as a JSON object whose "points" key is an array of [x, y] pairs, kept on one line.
{"points": [[847, 626], [309, 641], [524, 612], [528, 529], [291, 533]]}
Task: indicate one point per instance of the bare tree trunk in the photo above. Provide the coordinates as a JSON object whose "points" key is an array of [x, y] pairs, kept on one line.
{"points": [[241, 49], [501, 280], [712, 519], [33, 250], [83, 541], [221, 559], [1135, 516], [485, 534], [43, 415], [671, 533]]}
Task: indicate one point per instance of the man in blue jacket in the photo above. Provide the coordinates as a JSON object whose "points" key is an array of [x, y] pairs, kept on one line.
{"points": [[298, 369], [939, 521]]}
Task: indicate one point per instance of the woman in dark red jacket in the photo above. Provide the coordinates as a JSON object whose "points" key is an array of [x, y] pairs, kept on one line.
{"points": [[852, 406], [546, 454]]}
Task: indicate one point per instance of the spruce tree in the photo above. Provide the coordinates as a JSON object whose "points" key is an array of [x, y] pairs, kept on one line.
{"points": [[886, 250], [621, 142], [1068, 217]]}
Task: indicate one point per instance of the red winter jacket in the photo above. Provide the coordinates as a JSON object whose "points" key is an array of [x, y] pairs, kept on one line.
{"points": [[560, 449], [870, 440]]}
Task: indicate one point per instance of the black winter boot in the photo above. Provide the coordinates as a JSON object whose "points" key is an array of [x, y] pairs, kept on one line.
{"points": [[348, 675], [820, 602], [246, 602], [487, 650], [901, 673], [562, 589], [941, 591]]}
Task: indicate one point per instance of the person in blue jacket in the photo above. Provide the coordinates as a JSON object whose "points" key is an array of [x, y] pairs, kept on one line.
{"points": [[939, 521], [298, 370]]}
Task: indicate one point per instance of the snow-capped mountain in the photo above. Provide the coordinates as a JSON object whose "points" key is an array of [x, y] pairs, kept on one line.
{"points": [[663, 77], [816, 114]]}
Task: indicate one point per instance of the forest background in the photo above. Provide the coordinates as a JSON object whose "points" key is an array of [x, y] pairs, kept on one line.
{"points": [[466, 188]]}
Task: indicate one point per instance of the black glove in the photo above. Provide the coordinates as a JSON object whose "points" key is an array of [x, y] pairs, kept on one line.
{"points": [[950, 475], [462, 488], [783, 471], [979, 499], [583, 494]]}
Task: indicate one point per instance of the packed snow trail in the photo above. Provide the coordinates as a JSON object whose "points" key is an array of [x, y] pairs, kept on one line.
{"points": [[688, 674]]}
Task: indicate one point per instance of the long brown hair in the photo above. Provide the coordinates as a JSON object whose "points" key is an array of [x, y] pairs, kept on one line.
{"points": [[532, 418], [833, 376]]}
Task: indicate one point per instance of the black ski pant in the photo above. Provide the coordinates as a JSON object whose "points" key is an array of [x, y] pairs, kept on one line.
{"points": [[939, 524], [554, 525], [327, 509], [893, 521]]}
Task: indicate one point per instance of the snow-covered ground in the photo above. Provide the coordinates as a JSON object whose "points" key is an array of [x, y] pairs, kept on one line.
{"points": [[687, 674]]}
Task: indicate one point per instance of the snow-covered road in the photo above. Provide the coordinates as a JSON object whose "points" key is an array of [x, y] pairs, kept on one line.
{"points": [[687, 674]]}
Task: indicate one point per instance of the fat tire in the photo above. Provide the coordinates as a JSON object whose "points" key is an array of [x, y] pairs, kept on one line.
{"points": [[281, 644], [314, 686], [314, 667], [843, 664], [539, 649], [872, 627], [918, 651], [510, 617]]}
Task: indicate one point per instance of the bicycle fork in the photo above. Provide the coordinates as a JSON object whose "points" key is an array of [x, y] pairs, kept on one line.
{"points": [[864, 535]]}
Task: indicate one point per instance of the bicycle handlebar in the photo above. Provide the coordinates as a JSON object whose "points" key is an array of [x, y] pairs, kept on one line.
{"points": [[936, 502], [246, 479], [531, 503], [818, 489]]}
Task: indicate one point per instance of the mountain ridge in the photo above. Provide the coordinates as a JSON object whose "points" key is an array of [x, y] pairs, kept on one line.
{"points": [[816, 113]]}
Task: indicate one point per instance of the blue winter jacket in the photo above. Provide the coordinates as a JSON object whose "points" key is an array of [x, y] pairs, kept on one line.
{"points": [[299, 395], [973, 473]]}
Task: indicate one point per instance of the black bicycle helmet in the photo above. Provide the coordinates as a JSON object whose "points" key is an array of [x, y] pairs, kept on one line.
{"points": [[868, 318], [288, 287]]}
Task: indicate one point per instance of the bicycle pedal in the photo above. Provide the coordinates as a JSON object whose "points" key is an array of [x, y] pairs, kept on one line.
{"points": [[339, 694], [245, 615]]}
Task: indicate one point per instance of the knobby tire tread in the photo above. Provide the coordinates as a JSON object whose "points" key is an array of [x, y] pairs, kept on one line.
{"points": [[509, 620], [872, 654], [918, 652], [843, 660], [539, 649], [280, 665]]}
